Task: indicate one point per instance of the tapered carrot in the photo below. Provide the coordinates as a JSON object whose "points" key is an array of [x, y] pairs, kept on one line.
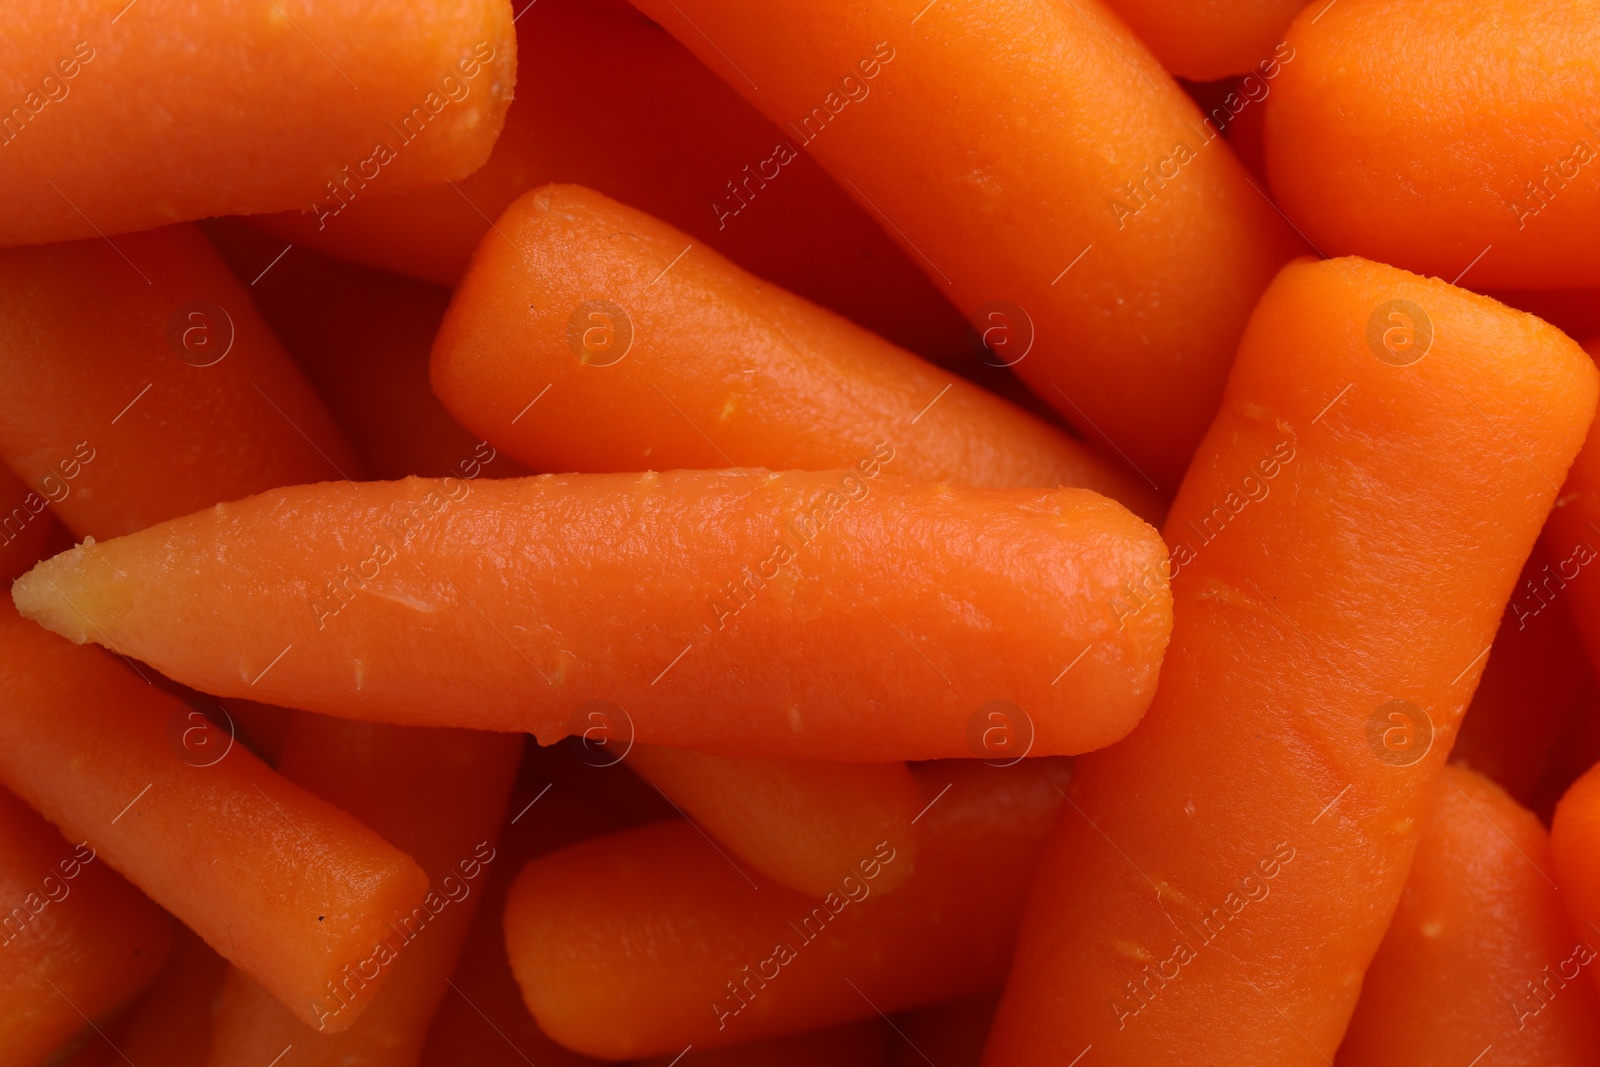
{"points": [[1205, 41], [361, 337], [392, 601], [858, 1044], [160, 394], [439, 795], [802, 823], [1496, 184], [1572, 541], [1480, 955], [1344, 543], [663, 133], [1035, 160], [171, 1023], [282, 884], [640, 943], [359, 99], [1535, 678], [611, 310], [73, 937], [951, 1035]]}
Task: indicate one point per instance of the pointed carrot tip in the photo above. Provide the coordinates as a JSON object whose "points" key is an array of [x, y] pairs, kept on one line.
{"points": [[52, 592]]}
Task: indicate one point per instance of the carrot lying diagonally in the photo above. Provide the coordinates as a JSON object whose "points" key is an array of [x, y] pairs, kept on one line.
{"points": [[440, 796], [361, 96], [643, 942], [155, 398], [71, 933], [1033, 158], [1060, 608], [587, 309], [1386, 452], [281, 884], [1480, 954]]}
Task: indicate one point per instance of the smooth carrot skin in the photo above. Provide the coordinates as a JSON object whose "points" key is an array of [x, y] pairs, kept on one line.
{"points": [[802, 823], [1063, 607], [282, 884], [360, 97], [1503, 172], [111, 406], [1000, 142], [1345, 542], [440, 796], [170, 1026], [72, 933], [951, 1035], [642, 942], [692, 362], [859, 1044], [1480, 955], [664, 134], [1204, 41]]}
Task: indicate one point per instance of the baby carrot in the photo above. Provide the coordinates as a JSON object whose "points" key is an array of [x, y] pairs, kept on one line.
{"points": [[1479, 955], [1204, 41], [750, 575], [858, 1044], [171, 1023], [802, 823], [437, 794], [643, 942], [610, 310], [664, 134], [1344, 543], [162, 394], [359, 99], [1574, 832], [280, 883], [1497, 184], [1535, 678], [1036, 161], [73, 937]]}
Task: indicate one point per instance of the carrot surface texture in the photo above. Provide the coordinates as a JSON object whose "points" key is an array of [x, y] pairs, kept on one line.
{"points": [[589, 310], [1345, 542], [640, 943], [1068, 196], [71, 933], [1499, 179], [360, 97], [282, 884], [1480, 957], [516, 605]]}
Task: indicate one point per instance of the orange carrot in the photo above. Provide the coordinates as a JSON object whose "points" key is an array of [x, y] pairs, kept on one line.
{"points": [[162, 394], [280, 883], [663, 133], [76, 941], [440, 796], [610, 311], [1534, 680], [802, 823], [1387, 449], [1479, 956], [1496, 184], [1036, 161], [171, 1023], [358, 99], [643, 942], [1572, 541], [951, 1035], [1574, 832], [1063, 608], [1204, 41]]}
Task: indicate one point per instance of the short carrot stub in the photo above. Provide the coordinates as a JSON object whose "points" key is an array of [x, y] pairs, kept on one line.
{"points": [[518, 604]]}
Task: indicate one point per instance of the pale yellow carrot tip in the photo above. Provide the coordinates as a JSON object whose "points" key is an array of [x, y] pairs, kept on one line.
{"points": [[62, 594]]}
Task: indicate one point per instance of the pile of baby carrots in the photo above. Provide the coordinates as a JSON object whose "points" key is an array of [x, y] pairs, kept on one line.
{"points": [[1020, 533]]}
